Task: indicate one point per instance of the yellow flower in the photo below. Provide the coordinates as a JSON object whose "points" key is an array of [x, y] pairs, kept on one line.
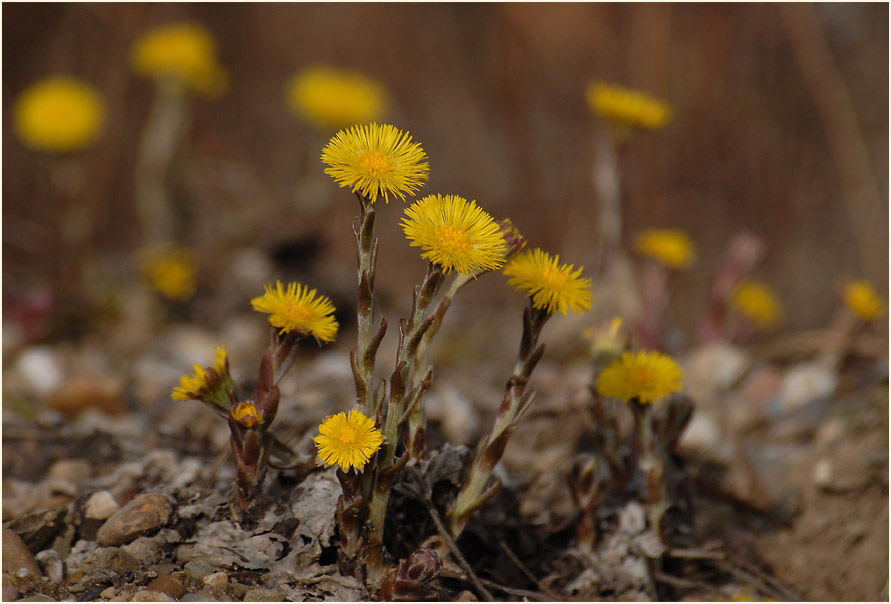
{"points": [[551, 285], [201, 383], [646, 376], [862, 300], [627, 107], [170, 272], [184, 52], [757, 302], [59, 114], [455, 234], [348, 440], [298, 309], [376, 160], [246, 414], [671, 247], [335, 98]]}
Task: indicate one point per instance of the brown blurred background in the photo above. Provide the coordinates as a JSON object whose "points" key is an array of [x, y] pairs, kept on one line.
{"points": [[771, 133]]}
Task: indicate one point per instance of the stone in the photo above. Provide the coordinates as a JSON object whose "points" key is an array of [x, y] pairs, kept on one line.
{"points": [[168, 584], [823, 474], [146, 595], [263, 594], [16, 555], [101, 505], [108, 593], [196, 570], [803, 384], [10, 593], [147, 550], [51, 562], [70, 470], [38, 598], [216, 580], [81, 392], [40, 369], [143, 514]]}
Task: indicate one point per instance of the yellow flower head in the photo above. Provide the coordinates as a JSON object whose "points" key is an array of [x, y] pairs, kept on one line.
{"points": [[59, 114], [455, 234], [376, 160], [246, 414], [297, 308], [348, 440], [335, 98], [184, 52], [646, 376], [862, 299], [757, 302], [203, 382], [551, 286], [170, 272], [627, 107], [671, 247]]}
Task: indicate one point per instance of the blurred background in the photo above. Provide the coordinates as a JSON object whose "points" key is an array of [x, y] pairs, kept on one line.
{"points": [[780, 127]]}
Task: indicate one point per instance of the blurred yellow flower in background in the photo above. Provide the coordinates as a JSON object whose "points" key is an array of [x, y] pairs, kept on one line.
{"points": [[670, 247], [626, 107], [298, 309], [455, 234], [863, 301], [332, 98], [648, 376], [348, 440], [59, 114], [170, 272], [551, 286], [376, 160], [184, 52], [757, 301]]}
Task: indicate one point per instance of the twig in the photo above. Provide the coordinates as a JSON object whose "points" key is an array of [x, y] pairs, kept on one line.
{"points": [[682, 583], [752, 574], [527, 572], [512, 591], [696, 554]]}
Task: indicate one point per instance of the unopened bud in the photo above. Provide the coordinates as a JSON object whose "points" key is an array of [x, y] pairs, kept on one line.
{"points": [[512, 237], [246, 414]]}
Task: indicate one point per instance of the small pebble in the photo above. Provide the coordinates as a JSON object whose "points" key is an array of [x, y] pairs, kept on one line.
{"points": [[38, 598], [51, 562], [82, 392], [143, 514], [262, 594], [167, 584], [823, 474], [197, 570], [108, 593], [199, 597], [72, 470], [40, 368], [216, 580], [16, 556], [151, 596], [10, 593], [101, 506]]}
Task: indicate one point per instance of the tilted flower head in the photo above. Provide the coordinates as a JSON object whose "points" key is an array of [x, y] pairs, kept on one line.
{"points": [[627, 107], [862, 300], [298, 308], [551, 285], [348, 440], [185, 52], [757, 302], [170, 272], [335, 98], [647, 376], [455, 234], [203, 382], [376, 160], [671, 247], [59, 114], [246, 414]]}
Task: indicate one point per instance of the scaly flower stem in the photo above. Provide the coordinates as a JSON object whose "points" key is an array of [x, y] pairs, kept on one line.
{"points": [[652, 465], [491, 447], [411, 333]]}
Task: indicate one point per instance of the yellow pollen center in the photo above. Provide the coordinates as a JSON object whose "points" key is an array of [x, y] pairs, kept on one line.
{"points": [[347, 435], [295, 311], [453, 239], [640, 376], [376, 163], [554, 278]]}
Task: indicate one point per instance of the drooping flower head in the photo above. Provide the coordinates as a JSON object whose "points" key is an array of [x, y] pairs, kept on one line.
{"points": [[205, 384], [59, 114], [551, 285], [298, 308], [183, 52], [455, 234], [670, 247], [376, 160], [170, 272], [348, 440], [863, 301], [647, 376], [757, 302], [625, 107], [332, 98]]}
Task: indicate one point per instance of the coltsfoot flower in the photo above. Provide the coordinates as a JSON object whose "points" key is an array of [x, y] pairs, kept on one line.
{"points": [[59, 114], [348, 440], [246, 414], [376, 160], [647, 376], [170, 272], [455, 234], [757, 302], [551, 285], [671, 247], [185, 52], [863, 301], [202, 383], [335, 98], [298, 308], [627, 107]]}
